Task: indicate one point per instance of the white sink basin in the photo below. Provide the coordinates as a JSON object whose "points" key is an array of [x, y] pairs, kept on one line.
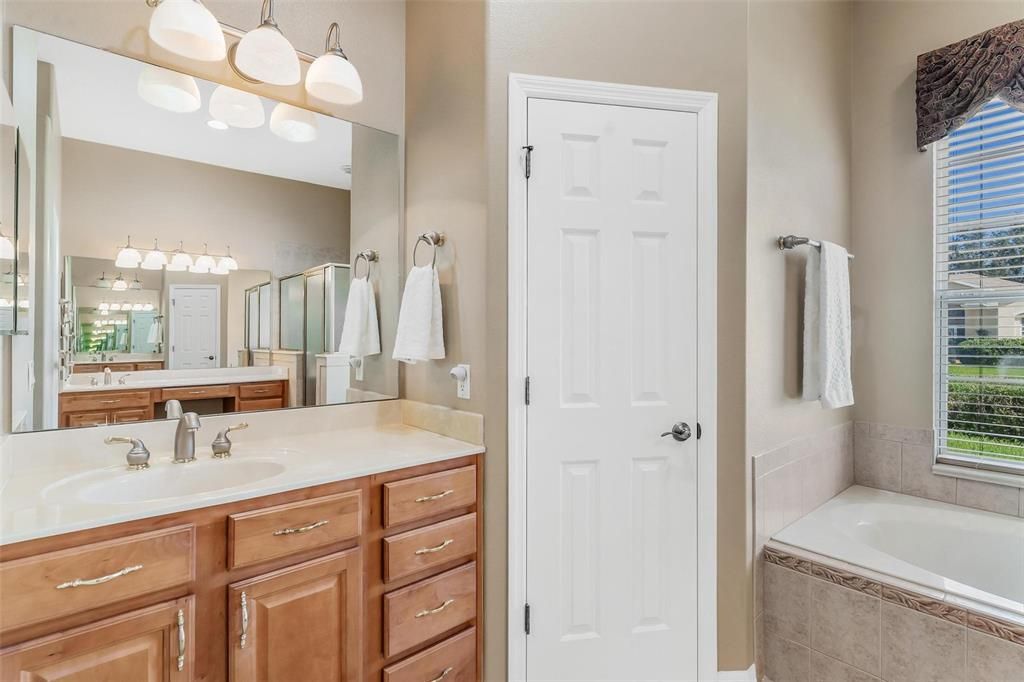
{"points": [[164, 481]]}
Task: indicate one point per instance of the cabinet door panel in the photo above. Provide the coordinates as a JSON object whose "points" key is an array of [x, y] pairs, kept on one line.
{"points": [[146, 645], [299, 623]]}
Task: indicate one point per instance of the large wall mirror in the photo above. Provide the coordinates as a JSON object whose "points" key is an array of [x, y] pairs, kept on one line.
{"points": [[190, 242]]}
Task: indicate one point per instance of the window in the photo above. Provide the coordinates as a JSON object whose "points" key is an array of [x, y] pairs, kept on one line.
{"points": [[979, 287]]}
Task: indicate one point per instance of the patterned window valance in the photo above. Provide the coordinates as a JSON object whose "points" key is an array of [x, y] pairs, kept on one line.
{"points": [[955, 81]]}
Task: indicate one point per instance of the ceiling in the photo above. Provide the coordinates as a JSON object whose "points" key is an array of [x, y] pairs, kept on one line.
{"points": [[98, 102]]}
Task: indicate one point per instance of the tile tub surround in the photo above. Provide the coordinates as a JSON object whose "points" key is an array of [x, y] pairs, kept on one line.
{"points": [[823, 623], [790, 481], [899, 458]]}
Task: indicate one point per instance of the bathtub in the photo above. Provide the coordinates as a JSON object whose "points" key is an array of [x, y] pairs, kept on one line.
{"points": [[969, 559]]}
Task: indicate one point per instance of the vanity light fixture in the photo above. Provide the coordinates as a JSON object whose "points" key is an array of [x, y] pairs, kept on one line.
{"points": [[115, 307], [332, 77], [6, 247], [103, 282], [187, 28], [104, 306], [219, 269], [155, 259], [137, 307], [170, 90], [119, 284], [292, 123], [203, 263], [236, 108], [265, 55], [105, 312], [128, 257], [227, 262], [146, 307], [180, 261], [135, 285]]}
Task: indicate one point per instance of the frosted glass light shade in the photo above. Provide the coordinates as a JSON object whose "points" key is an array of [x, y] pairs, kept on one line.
{"points": [[237, 108], [120, 284], [219, 269], [6, 248], [264, 54], [169, 90], [180, 262], [187, 28], [227, 263], [115, 306], [154, 260], [333, 78], [203, 264], [128, 257], [292, 123]]}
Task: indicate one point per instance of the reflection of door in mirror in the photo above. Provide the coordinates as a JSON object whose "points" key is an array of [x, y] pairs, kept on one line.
{"points": [[194, 332]]}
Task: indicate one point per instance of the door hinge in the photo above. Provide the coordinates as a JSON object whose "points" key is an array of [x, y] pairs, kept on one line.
{"points": [[526, 618], [529, 159], [698, 430], [527, 390]]}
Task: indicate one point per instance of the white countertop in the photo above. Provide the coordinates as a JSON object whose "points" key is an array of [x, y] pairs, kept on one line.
{"points": [[171, 378], [45, 492]]}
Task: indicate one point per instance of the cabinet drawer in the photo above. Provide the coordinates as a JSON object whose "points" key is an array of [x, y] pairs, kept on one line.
{"points": [[120, 367], [143, 366], [270, 389], [424, 548], [453, 660], [47, 586], [426, 496], [264, 534], [416, 613], [133, 415], [90, 368], [88, 418], [260, 404], [105, 400], [197, 392]]}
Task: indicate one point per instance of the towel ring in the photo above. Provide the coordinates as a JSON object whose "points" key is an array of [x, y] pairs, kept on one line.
{"points": [[434, 239], [370, 256]]}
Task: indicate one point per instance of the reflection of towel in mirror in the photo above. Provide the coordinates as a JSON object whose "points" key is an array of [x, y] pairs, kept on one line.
{"points": [[154, 332], [360, 335], [420, 336]]}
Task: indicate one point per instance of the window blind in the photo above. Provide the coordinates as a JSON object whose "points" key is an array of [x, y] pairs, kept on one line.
{"points": [[979, 287]]}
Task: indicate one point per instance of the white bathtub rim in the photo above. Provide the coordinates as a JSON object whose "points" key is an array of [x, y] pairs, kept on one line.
{"points": [[970, 599]]}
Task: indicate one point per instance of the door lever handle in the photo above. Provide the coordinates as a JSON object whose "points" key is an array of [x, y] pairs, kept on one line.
{"points": [[680, 431]]}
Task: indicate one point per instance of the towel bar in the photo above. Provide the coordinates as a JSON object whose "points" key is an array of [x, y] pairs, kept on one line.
{"points": [[791, 241]]}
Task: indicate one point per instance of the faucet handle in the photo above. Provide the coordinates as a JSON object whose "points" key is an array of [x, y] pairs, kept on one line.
{"points": [[123, 379], [190, 421], [138, 455], [221, 445]]}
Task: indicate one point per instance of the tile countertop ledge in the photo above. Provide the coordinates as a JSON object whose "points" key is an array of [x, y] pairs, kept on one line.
{"points": [[34, 503]]}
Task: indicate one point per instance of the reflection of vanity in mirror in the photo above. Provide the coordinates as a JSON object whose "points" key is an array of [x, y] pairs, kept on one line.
{"points": [[201, 255]]}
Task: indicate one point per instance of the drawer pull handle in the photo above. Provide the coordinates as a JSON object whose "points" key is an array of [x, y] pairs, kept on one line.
{"points": [[181, 639], [301, 529], [438, 548], [83, 582], [431, 498], [439, 609], [109, 402], [443, 675], [245, 622]]}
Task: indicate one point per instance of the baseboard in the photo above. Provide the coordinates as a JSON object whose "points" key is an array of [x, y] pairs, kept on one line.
{"points": [[748, 675]]}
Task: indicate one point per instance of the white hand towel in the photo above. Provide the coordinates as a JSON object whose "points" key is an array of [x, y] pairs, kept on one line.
{"points": [[420, 336], [154, 332], [360, 335], [827, 342]]}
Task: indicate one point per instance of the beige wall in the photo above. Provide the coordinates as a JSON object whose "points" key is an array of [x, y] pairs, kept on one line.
{"points": [[798, 183], [110, 192], [892, 200]]}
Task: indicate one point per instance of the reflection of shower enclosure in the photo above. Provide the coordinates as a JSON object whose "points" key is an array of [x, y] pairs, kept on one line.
{"points": [[312, 313], [257, 319]]}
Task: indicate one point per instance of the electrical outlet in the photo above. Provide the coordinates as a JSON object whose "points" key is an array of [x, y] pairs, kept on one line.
{"points": [[461, 375]]}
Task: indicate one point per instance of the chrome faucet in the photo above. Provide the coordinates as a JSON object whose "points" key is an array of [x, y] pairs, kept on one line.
{"points": [[138, 456], [185, 438]]}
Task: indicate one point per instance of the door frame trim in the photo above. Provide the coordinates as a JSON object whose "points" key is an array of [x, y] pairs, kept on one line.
{"points": [[522, 88], [171, 288]]}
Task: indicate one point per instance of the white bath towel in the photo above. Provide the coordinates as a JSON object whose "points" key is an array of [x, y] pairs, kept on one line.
{"points": [[827, 344], [360, 334], [420, 336], [155, 335]]}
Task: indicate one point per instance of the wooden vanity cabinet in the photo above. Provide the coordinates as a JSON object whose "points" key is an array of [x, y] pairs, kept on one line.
{"points": [[332, 592]]}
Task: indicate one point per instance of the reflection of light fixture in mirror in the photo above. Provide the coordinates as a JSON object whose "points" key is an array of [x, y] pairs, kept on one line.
{"points": [[264, 54], [137, 307], [104, 306], [147, 307], [155, 259], [23, 304], [103, 282], [332, 77], [227, 262], [135, 284], [236, 108], [115, 306], [6, 247], [168, 90], [292, 123], [187, 28], [180, 261], [217, 125], [204, 263], [104, 312], [128, 257], [119, 284]]}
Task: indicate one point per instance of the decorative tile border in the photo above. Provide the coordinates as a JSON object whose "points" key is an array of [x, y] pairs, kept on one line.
{"points": [[927, 605]]}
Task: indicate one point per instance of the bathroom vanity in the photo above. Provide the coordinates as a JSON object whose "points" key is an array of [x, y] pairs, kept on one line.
{"points": [[309, 562]]}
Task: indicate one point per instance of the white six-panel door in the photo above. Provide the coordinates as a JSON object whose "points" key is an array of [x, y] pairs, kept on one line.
{"points": [[195, 326], [611, 521]]}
